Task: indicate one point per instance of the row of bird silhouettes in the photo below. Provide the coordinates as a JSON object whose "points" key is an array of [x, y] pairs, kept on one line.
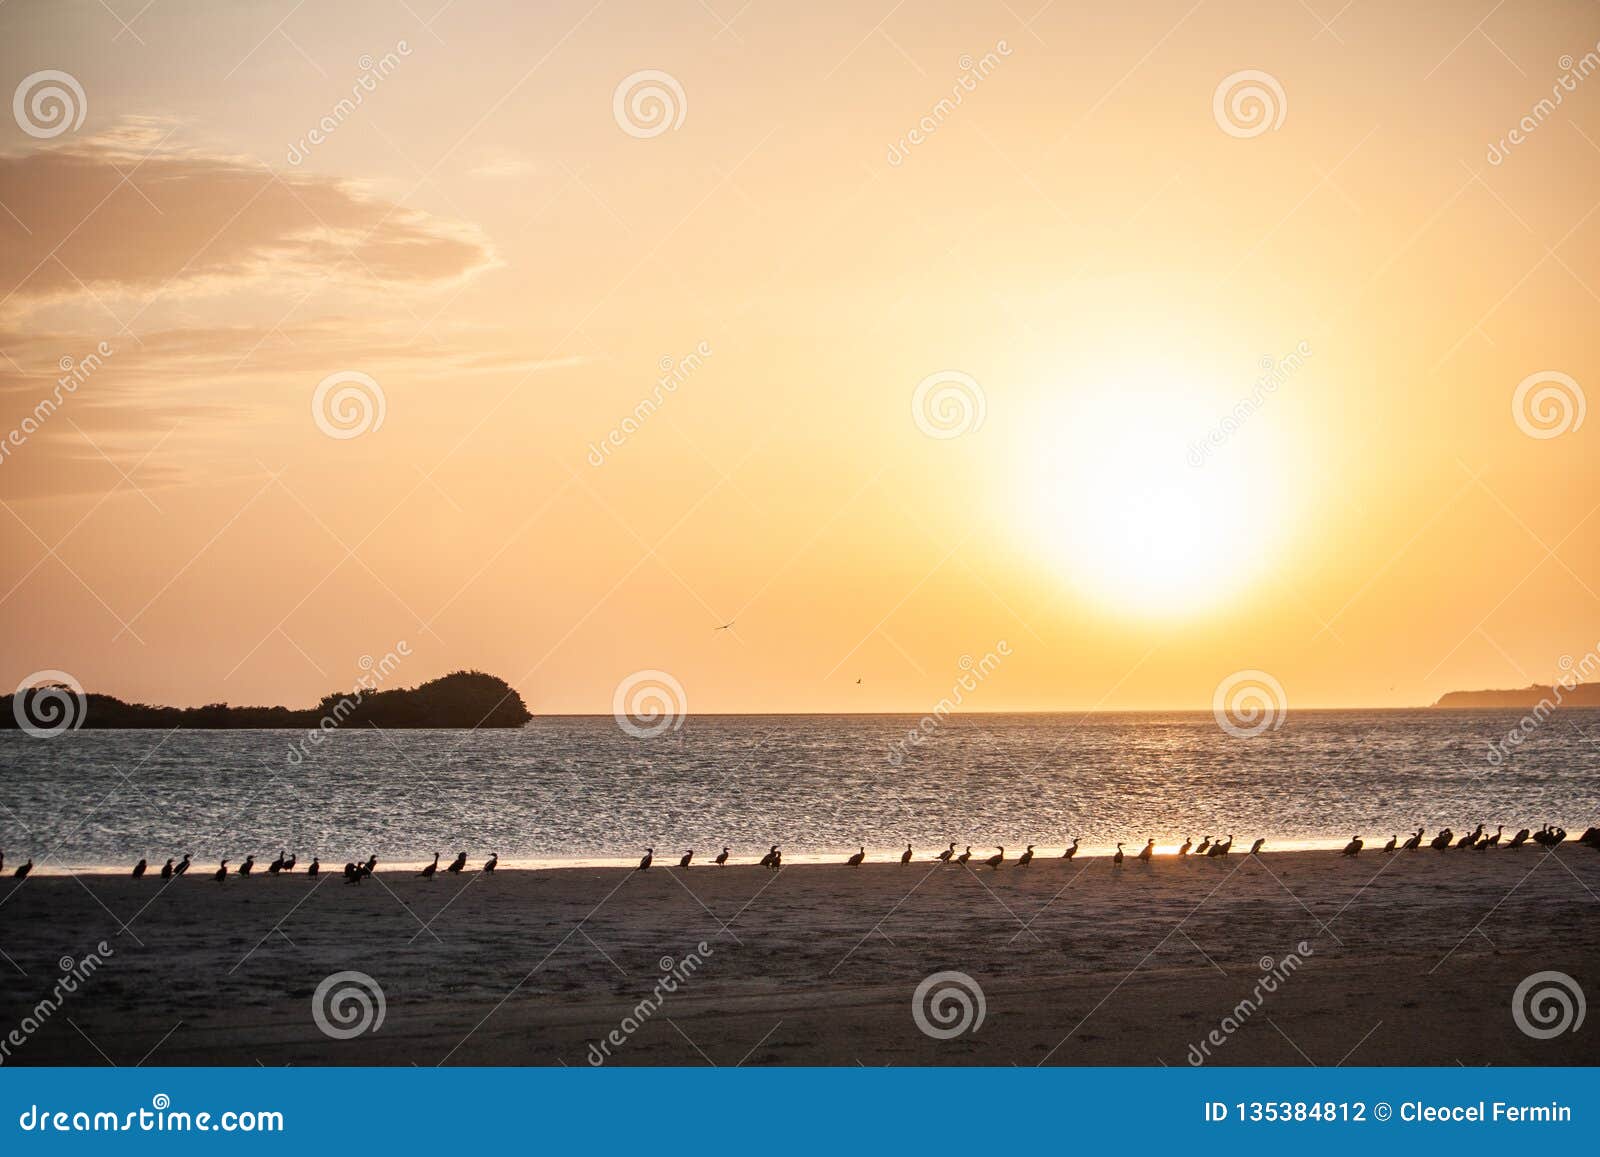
{"points": [[353, 873], [774, 857], [1549, 836]]}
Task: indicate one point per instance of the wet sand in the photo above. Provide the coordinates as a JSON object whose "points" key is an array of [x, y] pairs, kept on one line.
{"points": [[1411, 958]]}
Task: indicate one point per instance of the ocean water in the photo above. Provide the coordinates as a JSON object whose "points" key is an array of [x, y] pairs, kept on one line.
{"points": [[580, 789]]}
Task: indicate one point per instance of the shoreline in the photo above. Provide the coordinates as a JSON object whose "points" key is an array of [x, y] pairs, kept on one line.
{"points": [[202, 868]]}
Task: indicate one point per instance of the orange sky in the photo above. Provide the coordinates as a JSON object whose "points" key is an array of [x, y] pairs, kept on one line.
{"points": [[1080, 245]]}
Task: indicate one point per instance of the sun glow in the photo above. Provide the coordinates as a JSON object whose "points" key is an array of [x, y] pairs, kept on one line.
{"points": [[1149, 498]]}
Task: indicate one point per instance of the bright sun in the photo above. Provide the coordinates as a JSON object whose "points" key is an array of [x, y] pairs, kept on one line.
{"points": [[1144, 503]]}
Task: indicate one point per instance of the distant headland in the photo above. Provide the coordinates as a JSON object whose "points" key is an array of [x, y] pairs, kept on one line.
{"points": [[462, 699], [1565, 695]]}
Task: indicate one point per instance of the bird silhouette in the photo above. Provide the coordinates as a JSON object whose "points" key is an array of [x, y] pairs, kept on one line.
{"points": [[1441, 841], [965, 856], [288, 865], [428, 872], [997, 859], [1518, 840], [649, 858], [1255, 848], [944, 856], [770, 860], [1073, 850], [1026, 858], [221, 874], [1393, 842], [1468, 840], [687, 856], [1117, 859], [277, 865], [249, 863], [1147, 851], [722, 858], [1494, 840], [855, 860], [166, 869], [183, 867], [1413, 842], [1205, 846], [458, 863], [1183, 848], [905, 856], [315, 868], [1353, 848], [22, 872], [1223, 848], [492, 862], [138, 869]]}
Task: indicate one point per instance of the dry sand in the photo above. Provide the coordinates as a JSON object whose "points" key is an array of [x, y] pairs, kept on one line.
{"points": [[1412, 959]]}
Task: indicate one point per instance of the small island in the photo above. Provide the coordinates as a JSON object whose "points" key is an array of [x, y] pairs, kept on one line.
{"points": [[462, 699], [1574, 695]]}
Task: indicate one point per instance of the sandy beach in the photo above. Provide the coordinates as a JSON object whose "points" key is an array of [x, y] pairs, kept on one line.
{"points": [[1410, 958]]}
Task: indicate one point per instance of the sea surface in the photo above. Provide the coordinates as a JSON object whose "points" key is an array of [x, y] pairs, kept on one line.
{"points": [[582, 790]]}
